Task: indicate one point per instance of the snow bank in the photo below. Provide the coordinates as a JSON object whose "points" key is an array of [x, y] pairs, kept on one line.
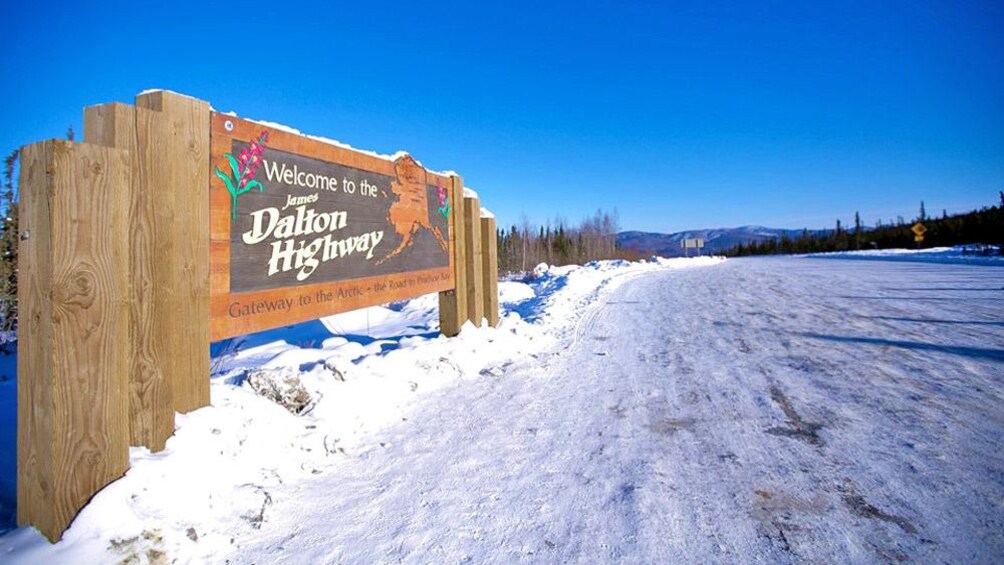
{"points": [[960, 254], [210, 490]]}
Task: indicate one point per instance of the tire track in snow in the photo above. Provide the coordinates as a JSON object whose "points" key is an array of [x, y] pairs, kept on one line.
{"points": [[660, 449]]}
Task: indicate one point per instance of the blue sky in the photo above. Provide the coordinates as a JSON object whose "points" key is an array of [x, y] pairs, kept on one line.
{"points": [[679, 115]]}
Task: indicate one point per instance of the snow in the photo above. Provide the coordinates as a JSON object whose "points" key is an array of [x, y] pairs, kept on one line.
{"points": [[282, 127], [334, 142], [153, 90], [960, 254], [486, 213], [685, 410], [470, 192], [289, 129], [225, 461]]}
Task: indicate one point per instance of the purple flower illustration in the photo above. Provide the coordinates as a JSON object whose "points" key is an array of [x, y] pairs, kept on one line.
{"points": [[444, 201], [243, 168]]}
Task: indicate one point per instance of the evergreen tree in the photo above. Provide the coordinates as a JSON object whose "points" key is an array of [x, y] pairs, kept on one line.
{"points": [[857, 230], [8, 248]]}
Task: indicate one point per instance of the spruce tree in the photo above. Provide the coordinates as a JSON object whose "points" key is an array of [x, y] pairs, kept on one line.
{"points": [[857, 230], [8, 249]]}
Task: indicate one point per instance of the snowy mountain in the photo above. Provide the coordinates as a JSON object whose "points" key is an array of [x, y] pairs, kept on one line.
{"points": [[715, 239]]}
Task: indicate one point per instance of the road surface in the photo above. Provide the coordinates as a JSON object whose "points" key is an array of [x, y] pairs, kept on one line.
{"points": [[770, 410]]}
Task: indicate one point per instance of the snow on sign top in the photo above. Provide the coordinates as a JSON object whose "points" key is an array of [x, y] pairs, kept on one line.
{"points": [[303, 228]]}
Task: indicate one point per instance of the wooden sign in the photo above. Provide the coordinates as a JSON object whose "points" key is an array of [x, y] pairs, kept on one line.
{"points": [[301, 228], [171, 226]]}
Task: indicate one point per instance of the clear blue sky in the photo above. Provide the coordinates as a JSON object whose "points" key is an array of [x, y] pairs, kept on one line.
{"points": [[680, 115]]}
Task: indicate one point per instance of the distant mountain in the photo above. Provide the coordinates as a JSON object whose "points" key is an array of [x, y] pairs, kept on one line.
{"points": [[715, 240]]}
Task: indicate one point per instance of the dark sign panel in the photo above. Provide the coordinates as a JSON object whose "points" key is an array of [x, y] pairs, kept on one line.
{"points": [[311, 228], [312, 221]]}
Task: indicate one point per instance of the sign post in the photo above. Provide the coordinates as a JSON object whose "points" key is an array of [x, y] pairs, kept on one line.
{"points": [[692, 243], [918, 230]]}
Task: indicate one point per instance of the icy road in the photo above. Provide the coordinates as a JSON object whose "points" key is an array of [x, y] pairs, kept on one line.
{"points": [[767, 410], [761, 410]]}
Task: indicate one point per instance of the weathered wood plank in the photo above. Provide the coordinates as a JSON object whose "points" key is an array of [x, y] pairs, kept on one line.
{"points": [[73, 421], [490, 270], [329, 297], [34, 359], [173, 164], [111, 125], [472, 245], [151, 410], [453, 303]]}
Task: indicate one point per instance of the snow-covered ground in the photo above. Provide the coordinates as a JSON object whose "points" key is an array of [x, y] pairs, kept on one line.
{"points": [[768, 409], [960, 254]]}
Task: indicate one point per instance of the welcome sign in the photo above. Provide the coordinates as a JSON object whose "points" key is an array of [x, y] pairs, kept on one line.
{"points": [[301, 228], [295, 229]]}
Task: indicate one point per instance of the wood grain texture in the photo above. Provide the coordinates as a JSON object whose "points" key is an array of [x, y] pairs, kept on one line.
{"points": [[111, 125], [453, 303], [73, 417], [490, 270], [172, 148], [472, 250], [341, 296], [35, 419], [349, 294], [460, 250], [151, 410]]}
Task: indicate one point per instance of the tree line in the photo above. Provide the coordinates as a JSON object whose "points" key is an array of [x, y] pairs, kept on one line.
{"points": [[522, 247], [985, 226]]}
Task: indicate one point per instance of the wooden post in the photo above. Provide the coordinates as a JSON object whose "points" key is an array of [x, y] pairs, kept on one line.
{"points": [[472, 243], [167, 135], [151, 410], [453, 303], [172, 146], [73, 416], [490, 270]]}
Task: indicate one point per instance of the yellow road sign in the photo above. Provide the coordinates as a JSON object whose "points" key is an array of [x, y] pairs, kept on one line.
{"points": [[918, 238], [919, 230]]}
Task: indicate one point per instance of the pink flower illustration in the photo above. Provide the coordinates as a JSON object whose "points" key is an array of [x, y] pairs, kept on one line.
{"points": [[244, 167]]}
